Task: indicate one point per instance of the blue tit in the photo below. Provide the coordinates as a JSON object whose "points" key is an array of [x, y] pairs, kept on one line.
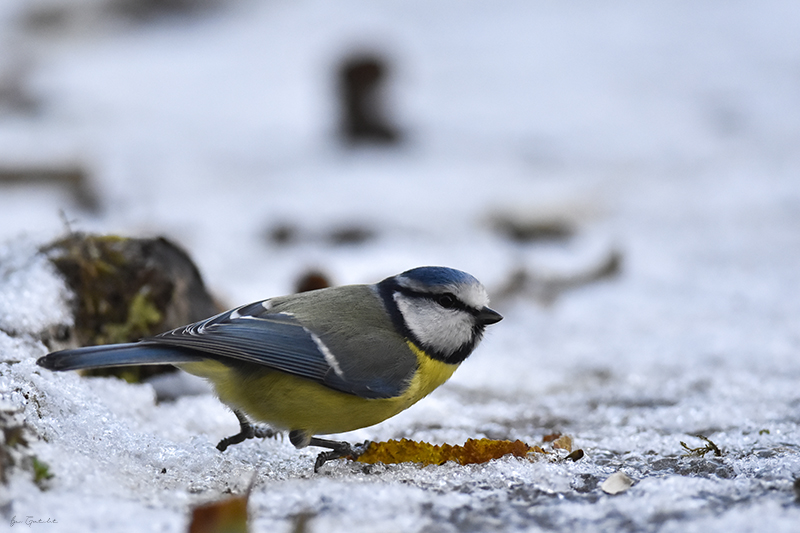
{"points": [[326, 361]]}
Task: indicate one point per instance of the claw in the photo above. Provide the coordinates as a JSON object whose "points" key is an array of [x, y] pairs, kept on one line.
{"points": [[338, 450], [247, 431]]}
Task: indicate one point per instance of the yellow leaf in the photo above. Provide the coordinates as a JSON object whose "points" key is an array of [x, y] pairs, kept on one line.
{"points": [[474, 451]]}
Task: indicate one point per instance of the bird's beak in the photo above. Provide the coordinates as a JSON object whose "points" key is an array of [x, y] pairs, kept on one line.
{"points": [[488, 316]]}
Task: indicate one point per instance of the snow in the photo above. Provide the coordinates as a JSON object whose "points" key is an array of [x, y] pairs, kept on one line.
{"points": [[34, 296], [668, 131]]}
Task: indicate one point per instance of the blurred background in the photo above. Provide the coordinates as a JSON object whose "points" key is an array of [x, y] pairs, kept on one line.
{"points": [[624, 177], [540, 146]]}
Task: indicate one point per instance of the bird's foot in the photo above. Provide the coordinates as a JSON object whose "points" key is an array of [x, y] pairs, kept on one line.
{"points": [[338, 450], [247, 431]]}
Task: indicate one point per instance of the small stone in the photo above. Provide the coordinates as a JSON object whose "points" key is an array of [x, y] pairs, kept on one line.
{"points": [[616, 483]]}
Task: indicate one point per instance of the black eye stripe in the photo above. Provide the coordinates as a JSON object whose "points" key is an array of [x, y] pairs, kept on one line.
{"points": [[446, 300], [455, 304]]}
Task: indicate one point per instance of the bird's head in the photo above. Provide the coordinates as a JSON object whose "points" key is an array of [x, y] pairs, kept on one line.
{"points": [[442, 310]]}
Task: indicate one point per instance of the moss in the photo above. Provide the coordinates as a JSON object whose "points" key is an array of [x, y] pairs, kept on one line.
{"points": [[109, 288], [143, 316], [41, 472], [126, 289], [15, 435]]}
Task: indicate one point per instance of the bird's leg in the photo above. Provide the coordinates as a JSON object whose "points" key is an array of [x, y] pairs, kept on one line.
{"points": [[338, 449], [247, 431]]}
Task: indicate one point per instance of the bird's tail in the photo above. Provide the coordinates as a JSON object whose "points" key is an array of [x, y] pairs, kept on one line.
{"points": [[134, 353]]}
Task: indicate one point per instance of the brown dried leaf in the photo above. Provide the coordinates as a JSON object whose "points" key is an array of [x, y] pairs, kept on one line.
{"points": [[226, 516], [564, 442], [551, 437], [473, 451]]}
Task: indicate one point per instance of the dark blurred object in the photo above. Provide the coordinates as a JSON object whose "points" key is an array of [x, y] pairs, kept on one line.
{"points": [[284, 234], [534, 227], [311, 281], [126, 289], [363, 106], [14, 94], [74, 178], [351, 234], [56, 17], [300, 522], [545, 288], [150, 9]]}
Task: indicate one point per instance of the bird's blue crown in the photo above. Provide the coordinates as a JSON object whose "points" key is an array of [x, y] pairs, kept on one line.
{"points": [[436, 275]]}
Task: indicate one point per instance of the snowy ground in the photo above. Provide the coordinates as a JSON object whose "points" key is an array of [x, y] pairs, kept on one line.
{"points": [[669, 131]]}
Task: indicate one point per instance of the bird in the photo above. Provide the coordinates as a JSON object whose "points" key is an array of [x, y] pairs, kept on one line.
{"points": [[321, 362]]}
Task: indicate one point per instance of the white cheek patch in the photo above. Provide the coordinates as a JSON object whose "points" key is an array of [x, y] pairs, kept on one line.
{"points": [[445, 330]]}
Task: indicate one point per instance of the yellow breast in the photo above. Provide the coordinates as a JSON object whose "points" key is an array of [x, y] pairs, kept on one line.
{"points": [[429, 375], [289, 402]]}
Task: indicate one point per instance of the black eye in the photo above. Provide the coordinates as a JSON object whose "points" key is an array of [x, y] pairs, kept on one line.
{"points": [[446, 300]]}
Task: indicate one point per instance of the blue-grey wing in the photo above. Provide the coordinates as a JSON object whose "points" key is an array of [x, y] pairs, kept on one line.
{"points": [[276, 340]]}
